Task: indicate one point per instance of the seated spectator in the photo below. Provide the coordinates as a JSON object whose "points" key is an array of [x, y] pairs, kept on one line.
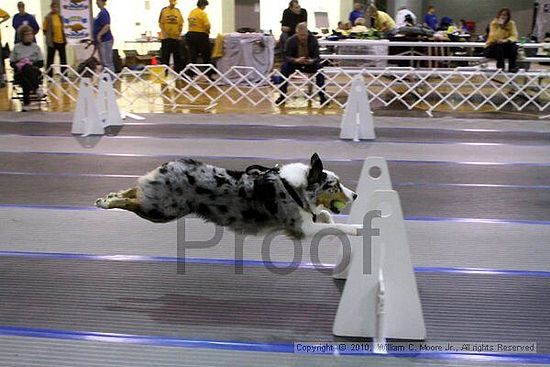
{"points": [[463, 27], [359, 26], [293, 15], [23, 18], [405, 18], [382, 21], [445, 23], [302, 53], [358, 12], [501, 41], [26, 59], [344, 26], [430, 19]]}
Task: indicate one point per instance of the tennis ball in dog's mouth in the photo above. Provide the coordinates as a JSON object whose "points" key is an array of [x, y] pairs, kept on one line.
{"points": [[339, 205]]}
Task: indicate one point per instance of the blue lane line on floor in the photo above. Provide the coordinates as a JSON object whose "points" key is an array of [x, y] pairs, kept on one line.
{"points": [[199, 136], [236, 346], [336, 127], [395, 184], [258, 263], [342, 216], [302, 159], [477, 220]]}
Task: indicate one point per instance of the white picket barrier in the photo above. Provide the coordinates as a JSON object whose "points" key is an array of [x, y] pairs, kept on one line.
{"points": [[447, 89]]}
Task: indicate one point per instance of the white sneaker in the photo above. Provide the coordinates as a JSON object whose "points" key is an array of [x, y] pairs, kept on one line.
{"points": [[26, 108]]}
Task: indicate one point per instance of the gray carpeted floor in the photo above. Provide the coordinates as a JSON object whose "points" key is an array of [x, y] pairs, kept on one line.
{"points": [[211, 302]]}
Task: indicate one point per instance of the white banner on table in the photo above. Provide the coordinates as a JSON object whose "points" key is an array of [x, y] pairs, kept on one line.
{"points": [[77, 20]]}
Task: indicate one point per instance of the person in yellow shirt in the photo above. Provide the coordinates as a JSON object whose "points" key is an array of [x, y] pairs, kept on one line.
{"points": [[383, 22], [171, 25], [3, 17], [55, 37], [501, 42], [197, 39]]}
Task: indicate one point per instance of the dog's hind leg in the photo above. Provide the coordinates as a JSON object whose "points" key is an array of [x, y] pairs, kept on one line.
{"points": [[116, 202], [134, 206], [128, 194]]}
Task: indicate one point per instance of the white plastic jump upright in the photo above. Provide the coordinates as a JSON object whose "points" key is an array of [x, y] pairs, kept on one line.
{"points": [[381, 300], [357, 121], [107, 105], [86, 119], [375, 176]]}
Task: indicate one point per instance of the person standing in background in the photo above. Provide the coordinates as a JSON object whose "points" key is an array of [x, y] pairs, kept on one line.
{"points": [[3, 17], [24, 18], [55, 37], [293, 15], [358, 12], [198, 37], [430, 19], [103, 36], [171, 25]]}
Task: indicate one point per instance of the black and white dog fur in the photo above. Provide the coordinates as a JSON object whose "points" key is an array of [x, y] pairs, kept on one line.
{"points": [[295, 198]]}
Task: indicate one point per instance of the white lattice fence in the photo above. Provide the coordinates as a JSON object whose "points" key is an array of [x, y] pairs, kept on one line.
{"points": [[435, 89]]}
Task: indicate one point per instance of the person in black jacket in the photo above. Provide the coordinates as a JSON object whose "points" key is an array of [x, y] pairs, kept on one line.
{"points": [[293, 15], [302, 53]]}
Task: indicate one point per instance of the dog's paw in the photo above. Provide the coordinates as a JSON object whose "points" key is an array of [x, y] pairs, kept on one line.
{"points": [[324, 217], [102, 203]]}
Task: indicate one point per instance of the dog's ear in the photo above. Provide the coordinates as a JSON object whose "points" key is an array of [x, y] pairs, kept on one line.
{"points": [[316, 170]]}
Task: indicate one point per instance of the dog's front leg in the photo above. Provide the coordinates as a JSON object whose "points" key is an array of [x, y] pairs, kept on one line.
{"points": [[311, 228]]}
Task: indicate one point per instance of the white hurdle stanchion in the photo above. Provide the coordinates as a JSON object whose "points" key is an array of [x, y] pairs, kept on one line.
{"points": [[357, 121], [375, 175], [107, 105], [86, 119], [383, 302]]}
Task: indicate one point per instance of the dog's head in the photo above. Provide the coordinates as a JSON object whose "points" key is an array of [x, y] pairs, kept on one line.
{"points": [[326, 189]]}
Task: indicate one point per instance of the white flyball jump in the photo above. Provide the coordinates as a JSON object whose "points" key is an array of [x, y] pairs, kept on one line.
{"points": [[380, 298], [94, 112], [107, 106], [357, 121], [86, 120]]}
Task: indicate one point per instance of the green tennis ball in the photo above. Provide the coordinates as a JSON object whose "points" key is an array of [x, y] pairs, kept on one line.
{"points": [[339, 204]]}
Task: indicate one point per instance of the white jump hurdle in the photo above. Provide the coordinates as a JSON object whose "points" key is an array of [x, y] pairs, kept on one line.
{"points": [[94, 112], [86, 119], [357, 121], [381, 300], [106, 99]]}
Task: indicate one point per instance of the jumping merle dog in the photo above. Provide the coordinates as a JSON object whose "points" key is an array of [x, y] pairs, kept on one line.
{"points": [[295, 198]]}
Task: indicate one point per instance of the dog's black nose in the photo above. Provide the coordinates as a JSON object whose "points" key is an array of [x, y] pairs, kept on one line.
{"points": [[354, 196]]}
